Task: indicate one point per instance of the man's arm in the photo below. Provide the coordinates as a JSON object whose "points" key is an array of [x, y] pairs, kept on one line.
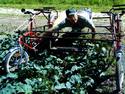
{"points": [[50, 30], [91, 25]]}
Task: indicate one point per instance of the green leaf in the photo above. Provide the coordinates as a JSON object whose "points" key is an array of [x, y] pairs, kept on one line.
{"points": [[74, 68], [27, 89], [69, 59], [49, 66], [82, 91], [59, 61], [37, 67], [12, 75], [9, 89], [19, 88], [75, 78], [68, 85], [60, 86]]}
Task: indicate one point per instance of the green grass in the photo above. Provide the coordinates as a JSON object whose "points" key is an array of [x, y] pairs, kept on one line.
{"points": [[95, 8], [96, 5], [85, 2]]}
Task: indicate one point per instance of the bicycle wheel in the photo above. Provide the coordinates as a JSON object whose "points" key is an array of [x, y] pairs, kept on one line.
{"points": [[14, 59], [120, 71]]}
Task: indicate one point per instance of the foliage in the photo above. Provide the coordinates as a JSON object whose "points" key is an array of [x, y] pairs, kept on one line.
{"points": [[6, 43], [73, 73]]}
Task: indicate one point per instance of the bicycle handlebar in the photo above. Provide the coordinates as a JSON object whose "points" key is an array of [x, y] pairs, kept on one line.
{"points": [[47, 9], [29, 12], [42, 10], [107, 12], [115, 8], [118, 8], [26, 12]]}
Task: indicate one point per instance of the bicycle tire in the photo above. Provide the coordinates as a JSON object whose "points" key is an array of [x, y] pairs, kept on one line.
{"points": [[16, 62], [119, 72]]}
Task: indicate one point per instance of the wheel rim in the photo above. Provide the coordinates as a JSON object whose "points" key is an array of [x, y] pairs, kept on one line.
{"points": [[14, 61]]}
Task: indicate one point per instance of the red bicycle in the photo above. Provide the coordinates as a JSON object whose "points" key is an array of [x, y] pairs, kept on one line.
{"points": [[28, 40], [115, 15]]}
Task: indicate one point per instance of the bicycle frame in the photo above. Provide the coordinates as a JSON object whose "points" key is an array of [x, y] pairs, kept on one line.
{"points": [[115, 14], [118, 49], [34, 40]]}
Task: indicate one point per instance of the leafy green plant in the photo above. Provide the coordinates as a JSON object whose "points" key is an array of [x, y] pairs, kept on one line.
{"points": [[73, 73]]}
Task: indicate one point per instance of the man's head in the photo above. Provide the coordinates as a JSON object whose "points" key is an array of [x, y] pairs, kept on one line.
{"points": [[72, 15]]}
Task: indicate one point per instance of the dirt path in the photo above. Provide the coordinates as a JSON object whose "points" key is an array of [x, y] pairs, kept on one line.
{"points": [[11, 18]]}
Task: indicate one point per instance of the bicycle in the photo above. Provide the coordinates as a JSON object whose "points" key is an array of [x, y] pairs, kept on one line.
{"points": [[118, 47], [115, 13], [17, 55]]}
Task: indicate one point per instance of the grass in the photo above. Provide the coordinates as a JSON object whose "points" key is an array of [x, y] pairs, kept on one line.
{"points": [[95, 8], [96, 5]]}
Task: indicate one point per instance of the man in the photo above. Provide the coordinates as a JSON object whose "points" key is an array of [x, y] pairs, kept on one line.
{"points": [[76, 22]]}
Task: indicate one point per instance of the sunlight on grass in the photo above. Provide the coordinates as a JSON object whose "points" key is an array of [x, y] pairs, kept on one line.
{"points": [[95, 8]]}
